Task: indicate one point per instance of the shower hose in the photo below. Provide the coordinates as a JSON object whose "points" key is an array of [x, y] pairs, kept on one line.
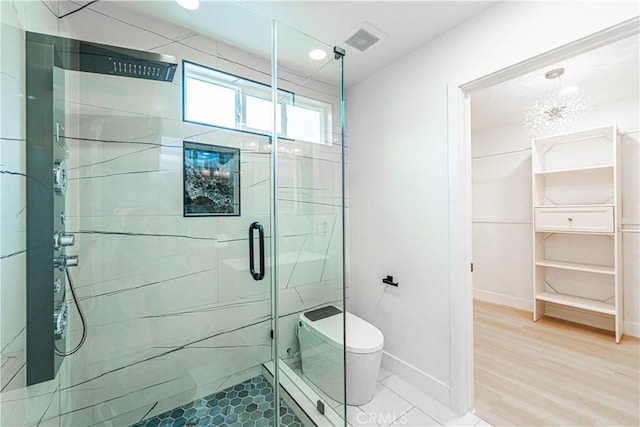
{"points": [[82, 319]]}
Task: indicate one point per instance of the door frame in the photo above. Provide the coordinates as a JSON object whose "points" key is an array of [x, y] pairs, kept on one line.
{"points": [[459, 180]]}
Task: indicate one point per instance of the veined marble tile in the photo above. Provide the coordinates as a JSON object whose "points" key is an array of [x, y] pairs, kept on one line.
{"points": [[203, 390], [246, 64], [169, 226], [26, 406], [137, 96], [51, 416], [320, 293], [12, 103], [233, 268], [107, 257], [34, 16], [13, 322], [13, 369], [118, 344], [12, 53], [167, 29], [129, 387], [102, 28], [9, 14], [122, 419], [169, 295]]}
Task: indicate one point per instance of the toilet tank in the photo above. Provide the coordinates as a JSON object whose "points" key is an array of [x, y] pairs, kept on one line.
{"points": [[322, 353]]}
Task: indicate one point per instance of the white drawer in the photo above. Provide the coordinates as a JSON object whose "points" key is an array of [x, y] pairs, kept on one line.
{"points": [[585, 219]]}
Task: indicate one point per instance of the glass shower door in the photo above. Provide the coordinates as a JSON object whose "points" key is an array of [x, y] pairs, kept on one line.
{"points": [[161, 210], [310, 224], [194, 232], [170, 205]]}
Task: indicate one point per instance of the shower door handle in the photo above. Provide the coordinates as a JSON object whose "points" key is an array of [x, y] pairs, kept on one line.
{"points": [[254, 274]]}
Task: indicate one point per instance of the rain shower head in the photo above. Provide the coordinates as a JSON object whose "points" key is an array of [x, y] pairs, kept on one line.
{"points": [[80, 55]]}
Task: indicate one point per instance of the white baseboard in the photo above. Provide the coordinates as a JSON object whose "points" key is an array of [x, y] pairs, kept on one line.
{"points": [[632, 328], [509, 301], [420, 379]]}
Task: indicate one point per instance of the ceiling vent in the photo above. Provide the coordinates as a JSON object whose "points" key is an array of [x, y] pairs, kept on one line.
{"points": [[364, 37]]}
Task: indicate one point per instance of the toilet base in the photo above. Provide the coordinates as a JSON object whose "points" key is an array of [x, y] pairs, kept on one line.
{"points": [[362, 376]]}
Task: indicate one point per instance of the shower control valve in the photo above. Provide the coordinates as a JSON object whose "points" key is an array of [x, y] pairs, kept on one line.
{"points": [[61, 239], [63, 261], [60, 177], [60, 320]]}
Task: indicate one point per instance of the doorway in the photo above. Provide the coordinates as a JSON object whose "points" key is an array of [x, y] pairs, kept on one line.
{"points": [[500, 207]]}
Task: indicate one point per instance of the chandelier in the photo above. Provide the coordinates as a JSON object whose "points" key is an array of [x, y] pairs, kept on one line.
{"points": [[557, 110]]}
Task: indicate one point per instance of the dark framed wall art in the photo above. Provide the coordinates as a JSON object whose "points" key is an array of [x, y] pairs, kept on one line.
{"points": [[211, 178]]}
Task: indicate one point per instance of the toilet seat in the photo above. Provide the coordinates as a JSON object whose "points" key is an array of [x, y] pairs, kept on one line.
{"points": [[362, 336]]}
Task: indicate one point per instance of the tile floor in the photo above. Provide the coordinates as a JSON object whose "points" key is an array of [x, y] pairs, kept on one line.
{"points": [[397, 403], [248, 404]]}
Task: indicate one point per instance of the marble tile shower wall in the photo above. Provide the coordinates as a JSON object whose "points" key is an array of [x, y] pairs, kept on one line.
{"points": [[173, 313], [19, 405]]}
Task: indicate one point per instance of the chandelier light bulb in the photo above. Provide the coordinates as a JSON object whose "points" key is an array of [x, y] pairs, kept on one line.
{"points": [[557, 110]]}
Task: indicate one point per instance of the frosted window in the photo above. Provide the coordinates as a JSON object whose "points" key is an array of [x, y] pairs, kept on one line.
{"points": [[210, 103], [213, 97], [304, 124], [259, 113]]}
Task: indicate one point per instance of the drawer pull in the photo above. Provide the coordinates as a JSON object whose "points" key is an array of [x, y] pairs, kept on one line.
{"points": [[570, 219]]}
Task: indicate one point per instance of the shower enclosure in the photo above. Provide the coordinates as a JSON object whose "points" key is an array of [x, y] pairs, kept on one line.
{"points": [[185, 174]]}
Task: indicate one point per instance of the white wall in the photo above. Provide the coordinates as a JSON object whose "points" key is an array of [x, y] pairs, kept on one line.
{"points": [[501, 203], [400, 203], [502, 238]]}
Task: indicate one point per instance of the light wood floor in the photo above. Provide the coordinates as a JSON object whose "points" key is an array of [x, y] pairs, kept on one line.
{"points": [[552, 372]]}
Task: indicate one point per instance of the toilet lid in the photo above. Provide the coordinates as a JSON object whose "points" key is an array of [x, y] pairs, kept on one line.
{"points": [[362, 336]]}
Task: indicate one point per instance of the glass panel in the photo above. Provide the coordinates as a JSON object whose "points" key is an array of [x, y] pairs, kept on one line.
{"points": [[309, 271], [22, 404], [178, 329], [163, 210]]}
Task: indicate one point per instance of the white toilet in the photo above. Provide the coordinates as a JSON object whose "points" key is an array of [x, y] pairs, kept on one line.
{"points": [[321, 336]]}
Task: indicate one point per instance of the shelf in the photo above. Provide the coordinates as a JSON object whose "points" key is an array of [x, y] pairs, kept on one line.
{"points": [[578, 302], [590, 168], [603, 205], [588, 268]]}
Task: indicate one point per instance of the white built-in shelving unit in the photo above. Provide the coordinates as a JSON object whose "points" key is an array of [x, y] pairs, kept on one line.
{"points": [[576, 211]]}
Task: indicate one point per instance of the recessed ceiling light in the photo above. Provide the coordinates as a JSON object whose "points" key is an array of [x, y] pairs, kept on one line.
{"points": [[189, 4], [317, 54]]}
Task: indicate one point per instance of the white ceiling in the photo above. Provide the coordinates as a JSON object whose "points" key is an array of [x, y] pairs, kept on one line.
{"points": [[602, 75], [406, 25]]}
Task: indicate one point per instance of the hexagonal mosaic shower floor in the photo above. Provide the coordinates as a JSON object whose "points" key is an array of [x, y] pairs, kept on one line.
{"points": [[248, 404]]}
